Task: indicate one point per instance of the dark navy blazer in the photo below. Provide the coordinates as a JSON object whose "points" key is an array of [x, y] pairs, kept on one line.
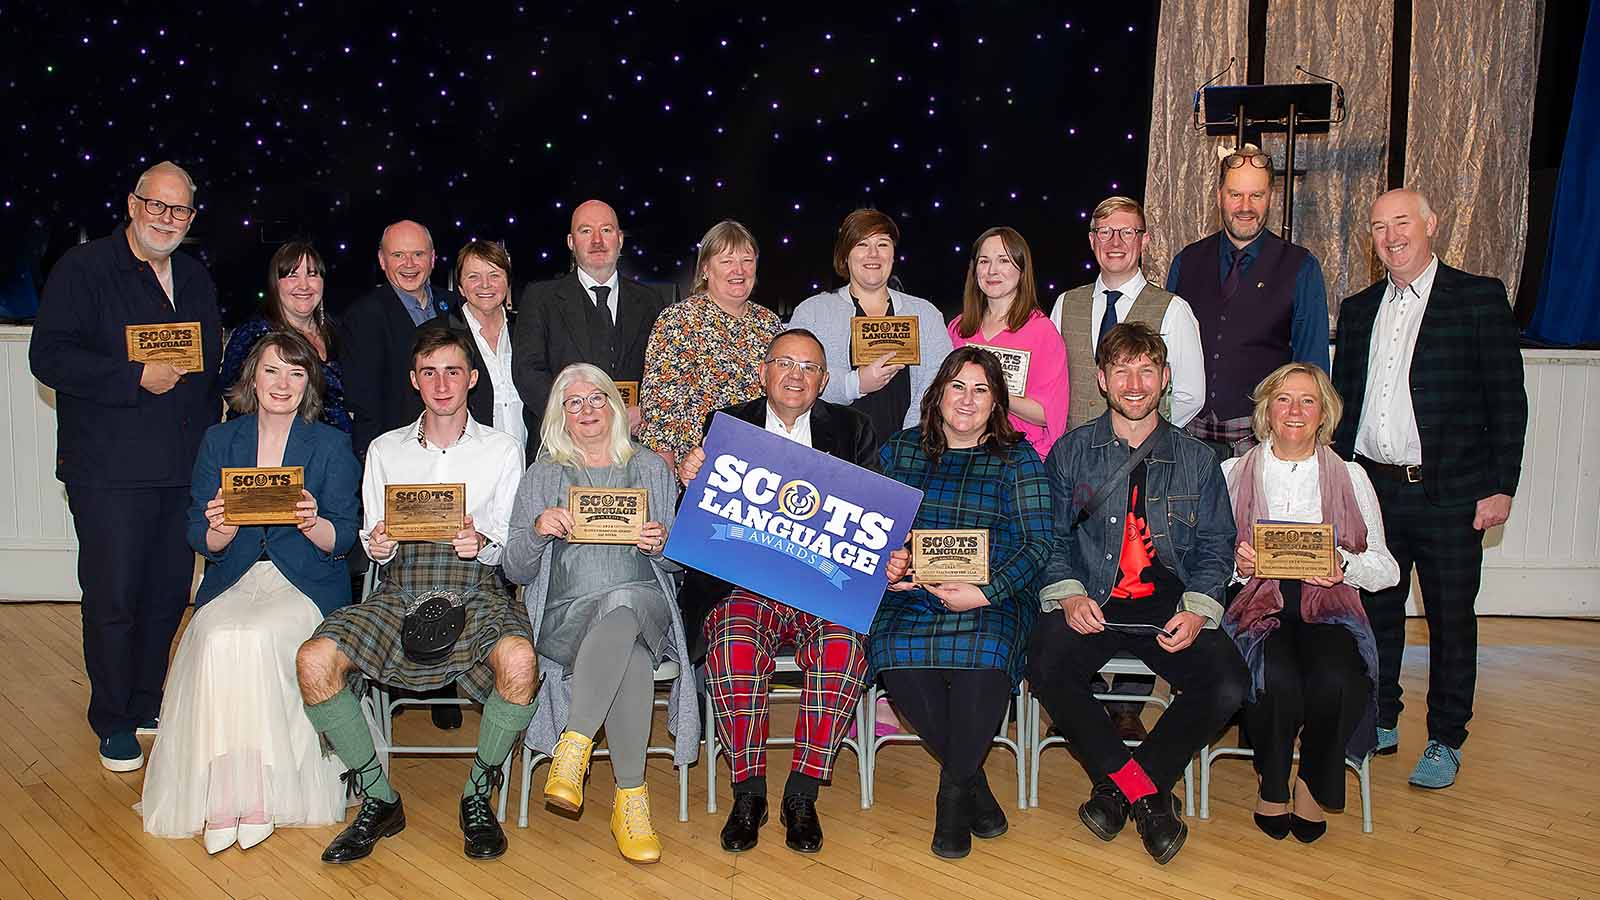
{"points": [[332, 476]]}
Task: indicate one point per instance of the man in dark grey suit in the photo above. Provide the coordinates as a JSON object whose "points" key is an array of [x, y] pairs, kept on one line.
{"points": [[591, 315]]}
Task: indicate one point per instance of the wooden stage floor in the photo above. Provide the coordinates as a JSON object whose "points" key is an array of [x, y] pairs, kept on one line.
{"points": [[1523, 821]]}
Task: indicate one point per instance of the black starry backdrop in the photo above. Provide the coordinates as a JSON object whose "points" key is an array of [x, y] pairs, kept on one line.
{"points": [[329, 120]]}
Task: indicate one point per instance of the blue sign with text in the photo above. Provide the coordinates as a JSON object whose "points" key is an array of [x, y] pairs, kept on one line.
{"points": [[788, 522]]}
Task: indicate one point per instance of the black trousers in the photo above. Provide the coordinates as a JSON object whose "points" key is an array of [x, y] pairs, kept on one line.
{"points": [[956, 712], [1209, 676], [1315, 688], [135, 567], [1448, 554]]}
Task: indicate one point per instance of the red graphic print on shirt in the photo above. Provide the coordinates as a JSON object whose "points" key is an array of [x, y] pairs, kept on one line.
{"points": [[1138, 551]]}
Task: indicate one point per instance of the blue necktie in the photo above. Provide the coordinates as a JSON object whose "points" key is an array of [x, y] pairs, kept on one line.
{"points": [[1108, 320]]}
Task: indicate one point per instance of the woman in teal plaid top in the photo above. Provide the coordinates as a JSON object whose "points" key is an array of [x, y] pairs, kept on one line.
{"points": [[950, 655]]}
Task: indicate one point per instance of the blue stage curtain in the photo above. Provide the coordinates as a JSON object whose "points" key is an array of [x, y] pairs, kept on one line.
{"points": [[1569, 294]]}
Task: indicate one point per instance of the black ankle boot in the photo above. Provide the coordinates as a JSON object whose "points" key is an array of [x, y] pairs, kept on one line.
{"points": [[988, 819], [952, 822]]}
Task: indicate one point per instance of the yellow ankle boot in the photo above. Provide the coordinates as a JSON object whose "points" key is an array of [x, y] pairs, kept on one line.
{"points": [[630, 825], [564, 787]]}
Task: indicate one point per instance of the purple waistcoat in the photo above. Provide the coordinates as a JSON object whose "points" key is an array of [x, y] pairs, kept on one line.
{"points": [[1244, 338]]}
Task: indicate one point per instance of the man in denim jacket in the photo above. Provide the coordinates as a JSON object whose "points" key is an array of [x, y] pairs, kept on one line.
{"points": [[1142, 573]]}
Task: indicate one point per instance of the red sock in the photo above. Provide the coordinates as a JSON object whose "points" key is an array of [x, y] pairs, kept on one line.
{"points": [[1133, 782]]}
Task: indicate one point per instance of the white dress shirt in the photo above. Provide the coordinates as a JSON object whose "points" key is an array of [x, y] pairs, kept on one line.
{"points": [[613, 282], [1387, 432], [487, 461], [1179, 328], [1293, 494], [507, 402], [802, 427]]}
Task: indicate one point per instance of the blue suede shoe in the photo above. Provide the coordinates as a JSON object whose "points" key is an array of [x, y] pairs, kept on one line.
{"points": [[121, 753], [1388, 740], [1437, 768]]}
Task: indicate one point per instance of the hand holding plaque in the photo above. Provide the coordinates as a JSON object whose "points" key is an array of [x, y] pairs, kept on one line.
{"points": [[607, 515], [1294, 550], [424, 512], [958, 555], [262, 495]]}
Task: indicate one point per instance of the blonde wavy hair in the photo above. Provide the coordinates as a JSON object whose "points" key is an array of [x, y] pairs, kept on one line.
{"points": [[558, 445], [1332, 403]]}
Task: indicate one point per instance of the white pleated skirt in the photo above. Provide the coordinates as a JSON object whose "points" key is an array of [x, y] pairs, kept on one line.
{"points": [[235, 745]]}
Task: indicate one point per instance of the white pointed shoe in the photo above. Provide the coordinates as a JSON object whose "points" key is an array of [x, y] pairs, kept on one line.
{"points": [[251, 834], [220, 839]]}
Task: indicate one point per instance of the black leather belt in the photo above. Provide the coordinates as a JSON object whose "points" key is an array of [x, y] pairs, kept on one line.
{"points": [[1407, 474]]}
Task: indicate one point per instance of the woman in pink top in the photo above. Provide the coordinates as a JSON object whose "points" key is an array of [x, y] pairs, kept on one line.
{"points": [[1000, 309]]}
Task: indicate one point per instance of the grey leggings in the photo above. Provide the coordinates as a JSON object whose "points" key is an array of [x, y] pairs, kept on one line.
{"points": [[612, 683]]}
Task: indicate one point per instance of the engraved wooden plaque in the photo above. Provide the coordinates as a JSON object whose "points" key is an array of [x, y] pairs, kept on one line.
{"points": [[873, 336], [629, 391], [177, 343], [1015, 364], [950, 554], [262, 495], [424, 512], [1294, 550], [607, 515]]}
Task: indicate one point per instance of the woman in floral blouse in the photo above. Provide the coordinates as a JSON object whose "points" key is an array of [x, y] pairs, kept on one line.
{"points": [[705, 351]]}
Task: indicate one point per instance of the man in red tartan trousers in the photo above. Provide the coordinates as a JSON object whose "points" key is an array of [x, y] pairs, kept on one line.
{"points": [[745, 632]]}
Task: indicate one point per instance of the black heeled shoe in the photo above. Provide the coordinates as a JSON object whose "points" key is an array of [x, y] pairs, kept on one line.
{"points": [[1275, 827], [1306, 831]]}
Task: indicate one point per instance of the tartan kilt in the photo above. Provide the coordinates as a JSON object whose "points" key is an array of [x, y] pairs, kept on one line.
{"points": [[369, 632]]}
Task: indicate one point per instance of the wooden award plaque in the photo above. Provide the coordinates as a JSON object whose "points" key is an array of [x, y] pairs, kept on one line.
{"points": [[1294, 550], [262, 496], [1015, 365], [607, 515], [873, 336], [950, 554], [424, 512], [629, 391], [177, 343]]}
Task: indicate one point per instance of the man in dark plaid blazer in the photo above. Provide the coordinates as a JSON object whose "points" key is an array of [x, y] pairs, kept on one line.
{"points": [[1435, 410]]}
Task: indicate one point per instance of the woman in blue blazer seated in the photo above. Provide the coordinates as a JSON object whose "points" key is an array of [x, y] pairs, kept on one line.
{"points": [[235, 755]]}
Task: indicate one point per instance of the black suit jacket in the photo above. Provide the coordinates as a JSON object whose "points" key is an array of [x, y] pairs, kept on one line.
{"points": [[480, 400], [1466, 385], [376, 334], [109, 431], [553, 331], [838, 431]]}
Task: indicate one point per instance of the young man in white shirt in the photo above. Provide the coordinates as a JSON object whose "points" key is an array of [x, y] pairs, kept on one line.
{"points": [[491, 659]]}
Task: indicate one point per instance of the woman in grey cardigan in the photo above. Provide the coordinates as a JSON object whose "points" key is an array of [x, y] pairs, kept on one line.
{"points": [[605, 614], [890, 395]]}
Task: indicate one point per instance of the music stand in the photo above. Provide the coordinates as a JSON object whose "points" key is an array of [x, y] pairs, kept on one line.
{"points": [[1294, 109]]}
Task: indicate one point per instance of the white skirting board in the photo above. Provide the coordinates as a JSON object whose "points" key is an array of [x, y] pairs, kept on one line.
{"points": [[1544, 562]]}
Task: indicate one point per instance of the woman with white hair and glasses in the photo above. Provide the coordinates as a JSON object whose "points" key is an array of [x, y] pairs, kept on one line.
{"points": [[605, 614]]}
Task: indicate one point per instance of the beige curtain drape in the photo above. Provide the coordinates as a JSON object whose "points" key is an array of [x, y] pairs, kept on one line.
{"points": [[1349, 41], [1473, 68], [1195, 39]]}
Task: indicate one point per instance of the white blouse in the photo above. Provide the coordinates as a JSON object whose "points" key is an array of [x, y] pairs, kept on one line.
{"points": [[507, 402], [1293, 495]]}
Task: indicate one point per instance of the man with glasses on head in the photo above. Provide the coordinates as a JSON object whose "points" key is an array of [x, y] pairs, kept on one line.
{"points": [[127, 436], [745, 632], [1084, 315], [1260, 301]]}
